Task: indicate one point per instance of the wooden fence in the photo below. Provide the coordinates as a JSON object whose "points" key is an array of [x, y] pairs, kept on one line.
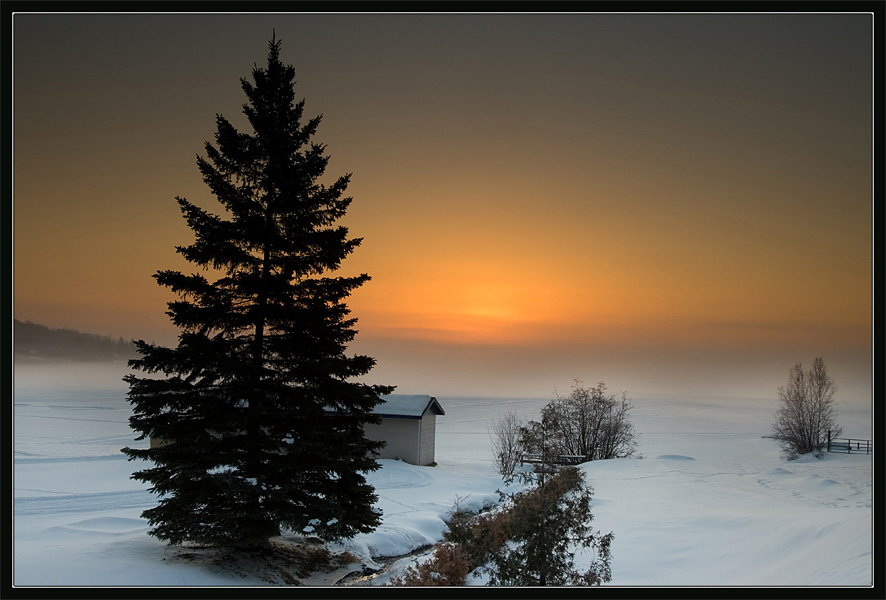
{"points": [[560, 459], [849, 445]]}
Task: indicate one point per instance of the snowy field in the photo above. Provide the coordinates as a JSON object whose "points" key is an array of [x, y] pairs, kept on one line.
{"points": [[710, 503]]}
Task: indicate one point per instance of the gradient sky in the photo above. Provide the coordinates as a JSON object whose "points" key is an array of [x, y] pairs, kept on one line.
{"points": [[669, 203]]}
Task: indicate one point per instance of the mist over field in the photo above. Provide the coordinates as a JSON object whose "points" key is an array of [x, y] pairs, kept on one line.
{"points": [[709, 501]]}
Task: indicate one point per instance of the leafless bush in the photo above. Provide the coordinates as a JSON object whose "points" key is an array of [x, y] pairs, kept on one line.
{"points": [[447, 566], [807, 411], [594, 424], [505, 436]]}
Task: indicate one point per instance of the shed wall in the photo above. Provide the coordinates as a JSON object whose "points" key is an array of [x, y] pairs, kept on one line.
{"points": [[401, 435], [428, 432]]}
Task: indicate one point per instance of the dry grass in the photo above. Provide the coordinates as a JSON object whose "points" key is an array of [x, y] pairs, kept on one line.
{"points": [[282, 562]]}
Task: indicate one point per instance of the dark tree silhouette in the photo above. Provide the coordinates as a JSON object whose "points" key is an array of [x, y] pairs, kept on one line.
{"points": [[38, 342], [255, 421]]}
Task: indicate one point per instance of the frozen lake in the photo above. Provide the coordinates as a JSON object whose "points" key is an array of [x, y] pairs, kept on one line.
{"points": [[710, 503]]}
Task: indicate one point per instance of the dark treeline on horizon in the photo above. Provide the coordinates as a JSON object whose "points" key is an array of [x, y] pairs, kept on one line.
{"points": [[38, 342]]}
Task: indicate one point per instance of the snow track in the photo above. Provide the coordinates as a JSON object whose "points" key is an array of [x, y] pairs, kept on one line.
{"points": [[83, 503]]}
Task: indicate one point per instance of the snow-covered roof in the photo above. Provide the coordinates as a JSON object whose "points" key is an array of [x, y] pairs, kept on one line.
{"points": [[410, 407]]}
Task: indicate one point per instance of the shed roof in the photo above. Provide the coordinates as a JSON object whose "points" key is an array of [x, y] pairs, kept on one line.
{"points": [[409, 407]]}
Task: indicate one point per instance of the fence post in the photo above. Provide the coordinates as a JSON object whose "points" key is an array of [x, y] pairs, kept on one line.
{"points": [[829, 440]]}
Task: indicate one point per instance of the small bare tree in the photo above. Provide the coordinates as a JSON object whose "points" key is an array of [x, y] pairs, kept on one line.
{"points": [[594, 424], [807, 411], [505, 436]]}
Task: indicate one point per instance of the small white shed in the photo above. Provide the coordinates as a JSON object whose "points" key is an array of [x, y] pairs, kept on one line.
{"points": [[408, 426]]}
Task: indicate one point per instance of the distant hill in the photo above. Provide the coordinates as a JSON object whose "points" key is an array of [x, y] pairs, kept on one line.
{"points": [[40, 343]]}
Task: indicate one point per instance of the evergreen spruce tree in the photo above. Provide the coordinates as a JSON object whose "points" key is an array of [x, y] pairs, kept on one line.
{"points": [[542, 441], [260, 421], [546, 526], [530, 540]]}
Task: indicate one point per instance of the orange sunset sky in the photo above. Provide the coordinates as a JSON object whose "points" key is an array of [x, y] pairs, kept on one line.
{"points": [[670, 203]]}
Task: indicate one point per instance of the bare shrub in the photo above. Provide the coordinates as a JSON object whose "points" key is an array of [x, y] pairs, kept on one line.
{"points": [[807, 411], [505, 436], [448, 566], [592, 423]]}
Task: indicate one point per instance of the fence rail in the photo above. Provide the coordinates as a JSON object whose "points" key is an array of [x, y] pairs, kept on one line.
{"points": [[849, 445], [560, 459]]}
